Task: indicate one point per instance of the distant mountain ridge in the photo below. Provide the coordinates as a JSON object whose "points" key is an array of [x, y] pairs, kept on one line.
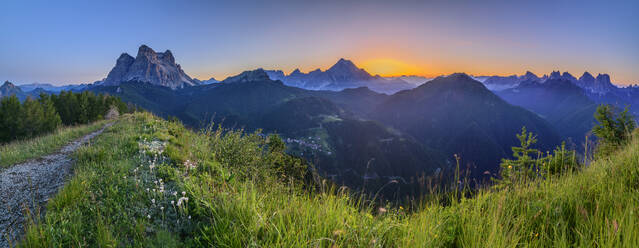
{"points": [[151, 67], [459, 115], [343, 75]]}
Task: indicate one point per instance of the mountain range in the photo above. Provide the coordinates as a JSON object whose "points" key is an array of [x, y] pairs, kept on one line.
{"points": [[343, 75], [357, 128]]}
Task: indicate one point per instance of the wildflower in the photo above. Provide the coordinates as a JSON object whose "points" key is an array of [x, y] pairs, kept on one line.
{"points": [[161, 208], [381, 210], [172, 202], [174, 193], [183, 193], [189, 217], [123, 177], [510, 167], [401, 208], [182, 199], [148, 216], [147, 189], [153, 201]]}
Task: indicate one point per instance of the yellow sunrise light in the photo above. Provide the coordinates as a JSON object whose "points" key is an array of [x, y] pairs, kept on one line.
{"points": [[390, 67]]}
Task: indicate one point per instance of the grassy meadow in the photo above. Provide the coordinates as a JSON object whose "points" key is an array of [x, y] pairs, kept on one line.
{"points": [[146, 182], [23, 150]]}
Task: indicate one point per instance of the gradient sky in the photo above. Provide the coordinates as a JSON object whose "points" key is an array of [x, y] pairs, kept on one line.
{"points": [[79, 41]]}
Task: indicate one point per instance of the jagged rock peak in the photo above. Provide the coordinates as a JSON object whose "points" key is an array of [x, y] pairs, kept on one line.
{"points": [[604, 78], [258, 75], [343, 64], [586, 77], [8, 84], [151, 67]]}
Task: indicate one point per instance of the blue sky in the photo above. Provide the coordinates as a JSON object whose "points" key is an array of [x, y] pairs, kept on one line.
{"points": [[79, 41]]}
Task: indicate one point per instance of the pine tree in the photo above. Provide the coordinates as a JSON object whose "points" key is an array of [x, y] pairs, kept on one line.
{"points": [[613, 129], [10, 119], [51, 118], [524, 165], [33, 115]]}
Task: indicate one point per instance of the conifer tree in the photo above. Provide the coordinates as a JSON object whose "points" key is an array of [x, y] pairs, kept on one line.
{"points": [[33, 118], [10, 118]]}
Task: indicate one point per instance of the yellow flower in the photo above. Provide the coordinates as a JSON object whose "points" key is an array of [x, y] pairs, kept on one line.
{"points": [[510, 167], [401, 208]]}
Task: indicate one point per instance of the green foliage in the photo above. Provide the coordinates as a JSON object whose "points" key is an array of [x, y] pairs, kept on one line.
{"points": [[613, 128], [44, 115], [529, 163], [105, 203]]}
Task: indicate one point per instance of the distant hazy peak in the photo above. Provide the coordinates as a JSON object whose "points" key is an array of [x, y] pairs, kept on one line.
{"points": [[258, 75], [587, 77]]}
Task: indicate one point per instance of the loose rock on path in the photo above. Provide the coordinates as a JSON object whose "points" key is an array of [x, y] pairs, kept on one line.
{"points": [[31, 184]]}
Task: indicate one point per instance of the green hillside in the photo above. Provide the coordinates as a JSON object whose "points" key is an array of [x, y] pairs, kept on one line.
{"points": [[146, 182]]}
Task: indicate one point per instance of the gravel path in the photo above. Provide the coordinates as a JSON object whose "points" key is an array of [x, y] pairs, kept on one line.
{"points": [[31, 184]]}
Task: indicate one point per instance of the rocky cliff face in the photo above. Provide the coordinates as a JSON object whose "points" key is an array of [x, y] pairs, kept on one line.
{"points": [[149, 66]]}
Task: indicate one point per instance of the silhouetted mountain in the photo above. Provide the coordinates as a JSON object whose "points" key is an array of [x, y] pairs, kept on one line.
{"points": [[149, 66], [344, 74], [559, 101], [52, 88], [209, 81], [600, 89], [495, 83], [459, 115]]}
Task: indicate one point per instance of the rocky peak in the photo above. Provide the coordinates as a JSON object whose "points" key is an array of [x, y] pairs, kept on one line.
{"points": [[603, 79], [529, 76], [149, 66], [8, 85], [258, 75], [167, 56], [587, 78], [343, 65], [296, 72], [555, 74], [8, 89], [568, 76]]}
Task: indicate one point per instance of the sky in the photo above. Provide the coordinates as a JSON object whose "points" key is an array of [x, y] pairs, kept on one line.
{"points": [[64, 42]]}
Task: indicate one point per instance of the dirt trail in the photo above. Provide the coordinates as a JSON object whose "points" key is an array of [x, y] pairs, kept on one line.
{"points": [[31, 184]]}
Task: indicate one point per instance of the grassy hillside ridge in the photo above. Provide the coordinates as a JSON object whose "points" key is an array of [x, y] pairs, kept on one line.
{"points": [[23, 150], [237, 192]]}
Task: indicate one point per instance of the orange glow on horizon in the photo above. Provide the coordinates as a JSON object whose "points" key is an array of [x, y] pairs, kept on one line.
{"points": [[388, 67]]}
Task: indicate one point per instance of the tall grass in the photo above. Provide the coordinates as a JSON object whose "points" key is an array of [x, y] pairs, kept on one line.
{"points": [[234, 200], [23, 150]]}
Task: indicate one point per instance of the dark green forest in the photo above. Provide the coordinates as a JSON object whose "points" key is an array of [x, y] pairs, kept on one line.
{"points": [[33, 117]]}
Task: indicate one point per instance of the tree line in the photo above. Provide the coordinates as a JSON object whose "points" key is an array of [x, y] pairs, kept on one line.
{"points": [[33, 117]]}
